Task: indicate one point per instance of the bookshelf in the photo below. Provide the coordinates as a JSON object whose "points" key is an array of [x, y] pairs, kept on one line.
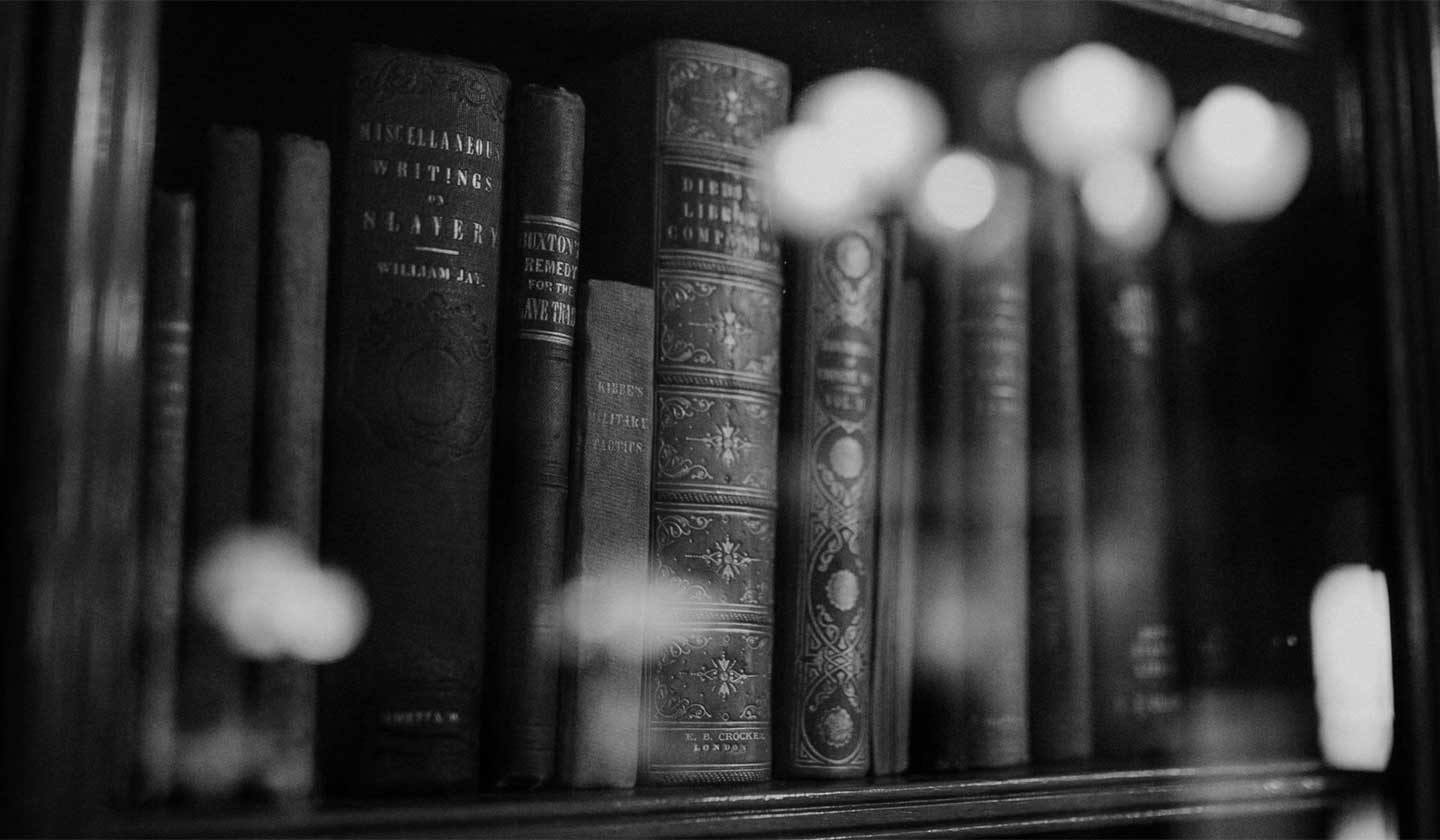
{"points": [[115, 95]]}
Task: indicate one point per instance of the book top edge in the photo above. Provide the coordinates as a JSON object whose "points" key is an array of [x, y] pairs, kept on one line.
{"points": [[362, 47], [715, 51]]}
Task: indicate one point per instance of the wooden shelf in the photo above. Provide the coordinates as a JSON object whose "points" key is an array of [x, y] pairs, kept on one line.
{"points": [[1019, 803]]}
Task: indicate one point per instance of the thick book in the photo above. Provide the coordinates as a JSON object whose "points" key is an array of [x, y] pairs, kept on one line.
{"points": [[222, 435], [290, 381], [408, 417], [608, 536], [1059, 563], [1134, 641], [991, 268], [532, 447], [896, 525], [678, 208], [825, 566], [169, 302]]}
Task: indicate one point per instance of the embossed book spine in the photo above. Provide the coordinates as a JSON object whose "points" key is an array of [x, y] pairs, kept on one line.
{"points": [[896, 524], [1059, 562], [533, 431], [408, 428], [608, 540], [994, 433], [291, 387], [1133, 642], [681, 208], [825, 569], [222, 433], [169, 303]]}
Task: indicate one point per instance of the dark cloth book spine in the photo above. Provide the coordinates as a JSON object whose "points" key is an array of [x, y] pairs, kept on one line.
{"points": [[609, 536], [1133, 643], [938, 690], [825, 569], [169, 303], [896, 524], [993, 275], [290, 393], [679, 210], [532, 453], [222, 434], [1059, 563], [408, 417]]}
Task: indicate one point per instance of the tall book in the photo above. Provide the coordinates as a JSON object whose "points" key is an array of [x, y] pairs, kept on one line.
{"points": [[222, 435], [825, 572], [169, 303], [532, 453], [408, 423], [1134, 641], [290, 391], [938, 691], [608, 538], [993, 275], [1059, 563], [896, 526], [680, 208]]}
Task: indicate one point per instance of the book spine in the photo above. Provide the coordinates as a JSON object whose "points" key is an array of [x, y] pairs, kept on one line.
{"points": [[533, 431], [826, 565], [1133, 642], [291, 387], [1059, 564], [939, 687], [715, 268], [994, 432], [222, 434], [609, 528], [169, 304], [896, 526], [408, 427]]}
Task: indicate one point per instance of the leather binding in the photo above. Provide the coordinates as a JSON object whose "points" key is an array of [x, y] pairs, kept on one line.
{"points": [[1134, 642], [679, 207], [222, 434], [533, 430], [169, 302], [1060, 727], [408, 429], [825, 570], [896, 525], [608, 540], [291, 388], [994, 345]]}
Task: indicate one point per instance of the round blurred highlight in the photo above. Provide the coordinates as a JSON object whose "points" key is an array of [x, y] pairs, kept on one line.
{"points": [[1239, 157], [270, 598], [1125, 201], [810, 182], [1091, 102], [957, 192], [889, 125]]}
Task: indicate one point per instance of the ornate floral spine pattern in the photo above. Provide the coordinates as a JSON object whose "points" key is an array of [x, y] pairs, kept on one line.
{"points": [[717, 365], [827, 560]]}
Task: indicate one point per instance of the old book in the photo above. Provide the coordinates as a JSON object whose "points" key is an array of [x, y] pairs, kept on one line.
{"points": [[608, 538], [169, 303], [677, 208], [825, 567], [1134, 641], [938, 690], [222, 434], [408, 424], [993, 275], [896, 526], [290, 391], [1059, 562], [532, 459]]}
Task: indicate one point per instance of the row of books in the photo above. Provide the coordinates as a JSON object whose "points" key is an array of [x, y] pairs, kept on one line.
{"points": [[718, 516]]}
